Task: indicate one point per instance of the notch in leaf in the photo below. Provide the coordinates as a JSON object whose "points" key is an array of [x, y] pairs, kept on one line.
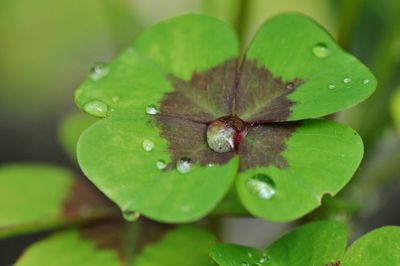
{"points": [[185, 118]]}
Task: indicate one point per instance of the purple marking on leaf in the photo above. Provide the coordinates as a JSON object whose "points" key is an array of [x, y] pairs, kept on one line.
{"points": [[225, 93]]}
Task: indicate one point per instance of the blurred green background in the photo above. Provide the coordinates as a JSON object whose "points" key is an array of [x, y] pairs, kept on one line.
{"points": [[47, 48]]}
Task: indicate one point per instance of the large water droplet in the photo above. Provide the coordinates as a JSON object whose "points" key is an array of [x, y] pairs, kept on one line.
{"points": [[261, 185], [184, 165], [152, 109], [161, 164], [347, 80], [147, 145], [220, 138], [96, 108], [225, 133], [99, 70], [130, 216], [320, 50]]}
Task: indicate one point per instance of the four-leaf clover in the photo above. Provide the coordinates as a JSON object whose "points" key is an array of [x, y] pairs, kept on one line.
{"points": [[186, 115]]}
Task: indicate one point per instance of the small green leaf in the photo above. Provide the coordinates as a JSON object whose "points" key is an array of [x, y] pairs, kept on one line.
{"points": [[295, 47], [321, 156], [97, 245], [182, 246], [317, 243], [395, 109], [378, 247], [35, 197], [71, 128]]}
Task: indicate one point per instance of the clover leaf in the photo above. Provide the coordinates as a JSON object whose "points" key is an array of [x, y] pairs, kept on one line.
{"points": [[185, 115], [28, 205], [318, 243]]}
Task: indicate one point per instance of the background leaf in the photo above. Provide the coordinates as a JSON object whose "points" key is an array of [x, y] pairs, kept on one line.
{"points": [[27, 203], [70, 128], [182, 246], [99, 245], [316, 243], [395, 109], [321, 158], [378, 247]]}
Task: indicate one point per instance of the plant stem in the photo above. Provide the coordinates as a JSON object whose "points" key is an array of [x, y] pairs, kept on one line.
{"points": [[241, 22]]}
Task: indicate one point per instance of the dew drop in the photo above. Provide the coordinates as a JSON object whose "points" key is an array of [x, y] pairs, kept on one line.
{"points": [[225, 134], [96, 108], [130, 216], [263, 259], [184, 165], [366, 81], [290, 86], [320, 50], [210, 165], [152, 109], [161, 164], [147, 145], [261, 185], [331, 86], [249, 254], [244, 263], [347, 80], [99, 70]]}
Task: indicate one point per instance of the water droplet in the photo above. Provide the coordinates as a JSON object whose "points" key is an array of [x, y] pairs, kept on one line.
{"points": [[249, 254], [263, 259], [161, 164], [366, 81], [225, 133], [96, 108], [347, 80], [290, 86], [99, 70], [152, 109], [261, 185], [184, 165], [320, 50], [244, 263], [115, 99], [130, 216], [147, 145], [331, 86], [210, 165]]}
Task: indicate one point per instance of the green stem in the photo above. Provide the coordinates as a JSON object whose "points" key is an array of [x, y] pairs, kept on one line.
{"points": [[241, 22]]}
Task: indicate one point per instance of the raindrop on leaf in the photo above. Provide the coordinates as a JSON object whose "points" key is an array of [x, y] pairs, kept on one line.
{"points": [[320, 50], [161, 164], [184, 165], [99, 70], [151, 109], [347, 80], [130, 216], [96, 108], [148, 145], [261, 186]]}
